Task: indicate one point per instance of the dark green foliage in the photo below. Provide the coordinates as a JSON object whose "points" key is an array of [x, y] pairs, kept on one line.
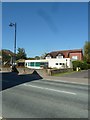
{"points": [[82, 64], [21, 54], [88, 66], [75, 64], [37, 58], [30, 58], [87, 51]]}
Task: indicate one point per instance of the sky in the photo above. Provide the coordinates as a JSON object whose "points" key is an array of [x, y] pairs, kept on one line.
{"points": [[44, 27]]}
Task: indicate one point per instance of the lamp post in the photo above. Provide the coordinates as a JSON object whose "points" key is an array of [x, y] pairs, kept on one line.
{"points": [[66, 63], [14, 25]]}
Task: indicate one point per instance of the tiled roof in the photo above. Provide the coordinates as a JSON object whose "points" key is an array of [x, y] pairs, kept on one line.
{"points": [[65, 53], [21, 60], [7, 52]]}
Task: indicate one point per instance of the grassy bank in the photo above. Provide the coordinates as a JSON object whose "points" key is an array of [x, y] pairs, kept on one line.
{"points": [[65, 73]]}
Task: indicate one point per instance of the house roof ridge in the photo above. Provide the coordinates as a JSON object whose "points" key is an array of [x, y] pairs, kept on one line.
{"points": [[67, 50], [64, 52]]}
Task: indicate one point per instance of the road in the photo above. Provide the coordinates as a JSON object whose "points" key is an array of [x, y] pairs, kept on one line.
{"points": [[44, 99]]}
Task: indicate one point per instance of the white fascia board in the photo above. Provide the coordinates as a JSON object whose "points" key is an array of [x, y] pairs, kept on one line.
{"points": [[44, 0], [42, 60]]}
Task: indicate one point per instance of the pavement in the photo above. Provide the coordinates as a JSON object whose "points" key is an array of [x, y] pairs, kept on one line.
{"points": [[31, 96]]}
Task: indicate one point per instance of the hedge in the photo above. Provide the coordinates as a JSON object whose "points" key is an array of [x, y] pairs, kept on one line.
{"points": [[82, 64]]}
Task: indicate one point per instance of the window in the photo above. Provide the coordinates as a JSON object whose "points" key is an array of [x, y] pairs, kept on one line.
{"points": [[25, 64], [32, 64], [44, 64], [61, 63], [60, 56], [75, 57], [37, 64], [48, 57], [28, 63]]}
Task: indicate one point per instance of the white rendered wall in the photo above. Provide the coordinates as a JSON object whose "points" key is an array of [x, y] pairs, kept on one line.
{"points": [[52, 63]]}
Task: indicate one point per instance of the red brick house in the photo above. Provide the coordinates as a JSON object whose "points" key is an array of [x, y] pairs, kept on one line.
{"points": [[76, 54]]}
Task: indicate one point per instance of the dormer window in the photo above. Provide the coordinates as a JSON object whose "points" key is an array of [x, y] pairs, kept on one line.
{"points": [[48, 57], [59, 56]]}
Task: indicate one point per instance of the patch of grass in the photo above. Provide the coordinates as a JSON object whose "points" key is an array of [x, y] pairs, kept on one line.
{"points": [[65, 73]]}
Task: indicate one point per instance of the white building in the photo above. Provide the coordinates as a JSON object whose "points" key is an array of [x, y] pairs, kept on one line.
{"points": [[36, 64], [58, 63]]}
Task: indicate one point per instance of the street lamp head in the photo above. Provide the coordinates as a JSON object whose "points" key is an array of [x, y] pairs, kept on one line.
{"points": [[11, 24]]}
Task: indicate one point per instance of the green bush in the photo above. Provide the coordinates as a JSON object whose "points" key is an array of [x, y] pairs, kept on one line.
{"points": [[88, 66], [76, 64], [82, 64]]}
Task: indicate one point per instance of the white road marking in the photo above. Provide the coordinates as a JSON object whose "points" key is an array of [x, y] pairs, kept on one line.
{"points": [[50, 89], [67, 82], [48, 82]]}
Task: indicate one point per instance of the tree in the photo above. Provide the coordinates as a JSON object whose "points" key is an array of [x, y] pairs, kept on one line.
{"points": [[37, 58], [87, 51], [82, 64], [43, 56], [21, 54], [6, 55], [30, 58]]}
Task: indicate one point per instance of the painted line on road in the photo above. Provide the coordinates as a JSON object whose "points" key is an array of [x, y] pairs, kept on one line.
{"points": [[50, 89], [63, 81], [55, 83]]}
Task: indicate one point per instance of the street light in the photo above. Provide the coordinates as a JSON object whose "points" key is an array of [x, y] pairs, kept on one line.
{"points": [[14, 25], [14, 69], [66, 63]]}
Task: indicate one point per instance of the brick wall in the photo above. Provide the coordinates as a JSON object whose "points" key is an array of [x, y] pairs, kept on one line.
{"points": [[79, 55]]}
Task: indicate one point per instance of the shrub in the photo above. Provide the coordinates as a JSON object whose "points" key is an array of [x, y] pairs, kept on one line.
{"points": [[88, 66], [76, 64], [82, 64]]}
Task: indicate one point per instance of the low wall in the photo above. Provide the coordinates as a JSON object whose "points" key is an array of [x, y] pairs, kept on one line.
{"points": [[42, 72], [23, 70]]}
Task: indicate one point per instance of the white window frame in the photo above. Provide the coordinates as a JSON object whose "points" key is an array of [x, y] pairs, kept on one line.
{"points": [[59, 56]]}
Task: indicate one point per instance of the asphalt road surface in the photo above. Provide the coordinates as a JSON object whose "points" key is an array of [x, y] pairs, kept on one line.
{"points": [[43, 99]]}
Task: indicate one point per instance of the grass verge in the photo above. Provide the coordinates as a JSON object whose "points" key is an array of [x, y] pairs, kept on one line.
{"points": [[65, 73]]}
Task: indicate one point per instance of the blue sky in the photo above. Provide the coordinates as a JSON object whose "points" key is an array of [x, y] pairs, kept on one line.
{"points": [[45, 27]]}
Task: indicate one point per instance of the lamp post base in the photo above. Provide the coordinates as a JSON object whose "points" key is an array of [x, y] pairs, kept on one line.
{"points": [[14, 69]]}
